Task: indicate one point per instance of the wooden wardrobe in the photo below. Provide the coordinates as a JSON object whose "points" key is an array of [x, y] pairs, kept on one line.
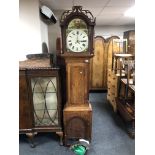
{"points": [[130, 36], [98, 65]]}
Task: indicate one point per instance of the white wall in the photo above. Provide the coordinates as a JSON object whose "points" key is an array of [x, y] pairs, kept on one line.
{"points": [[32, 31], [107, 31], [44, 34], [54, 32]]}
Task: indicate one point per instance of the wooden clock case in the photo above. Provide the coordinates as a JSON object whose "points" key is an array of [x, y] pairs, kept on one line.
{"points": [[77, 114]]}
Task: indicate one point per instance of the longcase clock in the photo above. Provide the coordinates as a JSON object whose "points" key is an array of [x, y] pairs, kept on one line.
{"points": [[77, 30]]}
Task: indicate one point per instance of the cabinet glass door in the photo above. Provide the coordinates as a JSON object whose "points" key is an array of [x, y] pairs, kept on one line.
{"points": [[44, 91]]}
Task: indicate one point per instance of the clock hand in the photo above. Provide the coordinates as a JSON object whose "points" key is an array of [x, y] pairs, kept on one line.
{"points": [[77, 39], [77, 36]]}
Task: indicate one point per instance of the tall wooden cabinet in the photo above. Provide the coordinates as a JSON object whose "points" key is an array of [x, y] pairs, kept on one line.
{"points": [[130, 36], [102, 61], [39, 99], [112, 79], [98, 65], [111, 47]]}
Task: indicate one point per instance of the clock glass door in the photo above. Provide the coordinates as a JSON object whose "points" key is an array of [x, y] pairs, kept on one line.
{"points": [[77, 36]]}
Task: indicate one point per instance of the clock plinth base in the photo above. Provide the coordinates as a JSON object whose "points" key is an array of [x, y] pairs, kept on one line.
{"points": [[77, 123]]}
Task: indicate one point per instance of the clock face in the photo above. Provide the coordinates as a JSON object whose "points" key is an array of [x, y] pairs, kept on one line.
{"points": [[77, 40]]}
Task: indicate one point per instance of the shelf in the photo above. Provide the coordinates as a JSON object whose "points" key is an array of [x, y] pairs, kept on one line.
{"points": [[43, 92], [123, 55], [132, 87], [118, 73], [125, 81]]}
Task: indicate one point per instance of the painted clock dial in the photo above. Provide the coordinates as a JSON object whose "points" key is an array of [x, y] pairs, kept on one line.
{"points": [[77, 40]]}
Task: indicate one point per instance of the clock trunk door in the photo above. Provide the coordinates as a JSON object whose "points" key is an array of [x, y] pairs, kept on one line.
{"points": [[77, 83]]}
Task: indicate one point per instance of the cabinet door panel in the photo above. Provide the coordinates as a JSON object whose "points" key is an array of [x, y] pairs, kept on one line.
{"points": [[25, 119], [98, 67], [112, 46], [97, 76]]}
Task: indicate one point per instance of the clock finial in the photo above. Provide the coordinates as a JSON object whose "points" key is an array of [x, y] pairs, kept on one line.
{"points": [[78, 11], [77, 8]]}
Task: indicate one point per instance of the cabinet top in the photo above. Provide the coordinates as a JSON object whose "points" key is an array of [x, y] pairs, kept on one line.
{"points": [[35, 64]]}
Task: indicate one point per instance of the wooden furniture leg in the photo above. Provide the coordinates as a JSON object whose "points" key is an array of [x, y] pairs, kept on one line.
{"points": [[31, 139], [60, 134]]}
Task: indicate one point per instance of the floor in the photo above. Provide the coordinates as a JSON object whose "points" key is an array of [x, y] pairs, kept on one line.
{"points": [[108, 135]]}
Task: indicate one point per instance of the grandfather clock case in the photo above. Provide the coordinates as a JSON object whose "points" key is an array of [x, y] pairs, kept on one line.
{"points": [[77, 29]]}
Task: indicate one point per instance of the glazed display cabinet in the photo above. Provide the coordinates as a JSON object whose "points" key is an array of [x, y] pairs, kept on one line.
{"points": [[39, 100]]}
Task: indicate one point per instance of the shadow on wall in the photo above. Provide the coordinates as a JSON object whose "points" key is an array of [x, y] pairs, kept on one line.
{"points": [[44, 48]]}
